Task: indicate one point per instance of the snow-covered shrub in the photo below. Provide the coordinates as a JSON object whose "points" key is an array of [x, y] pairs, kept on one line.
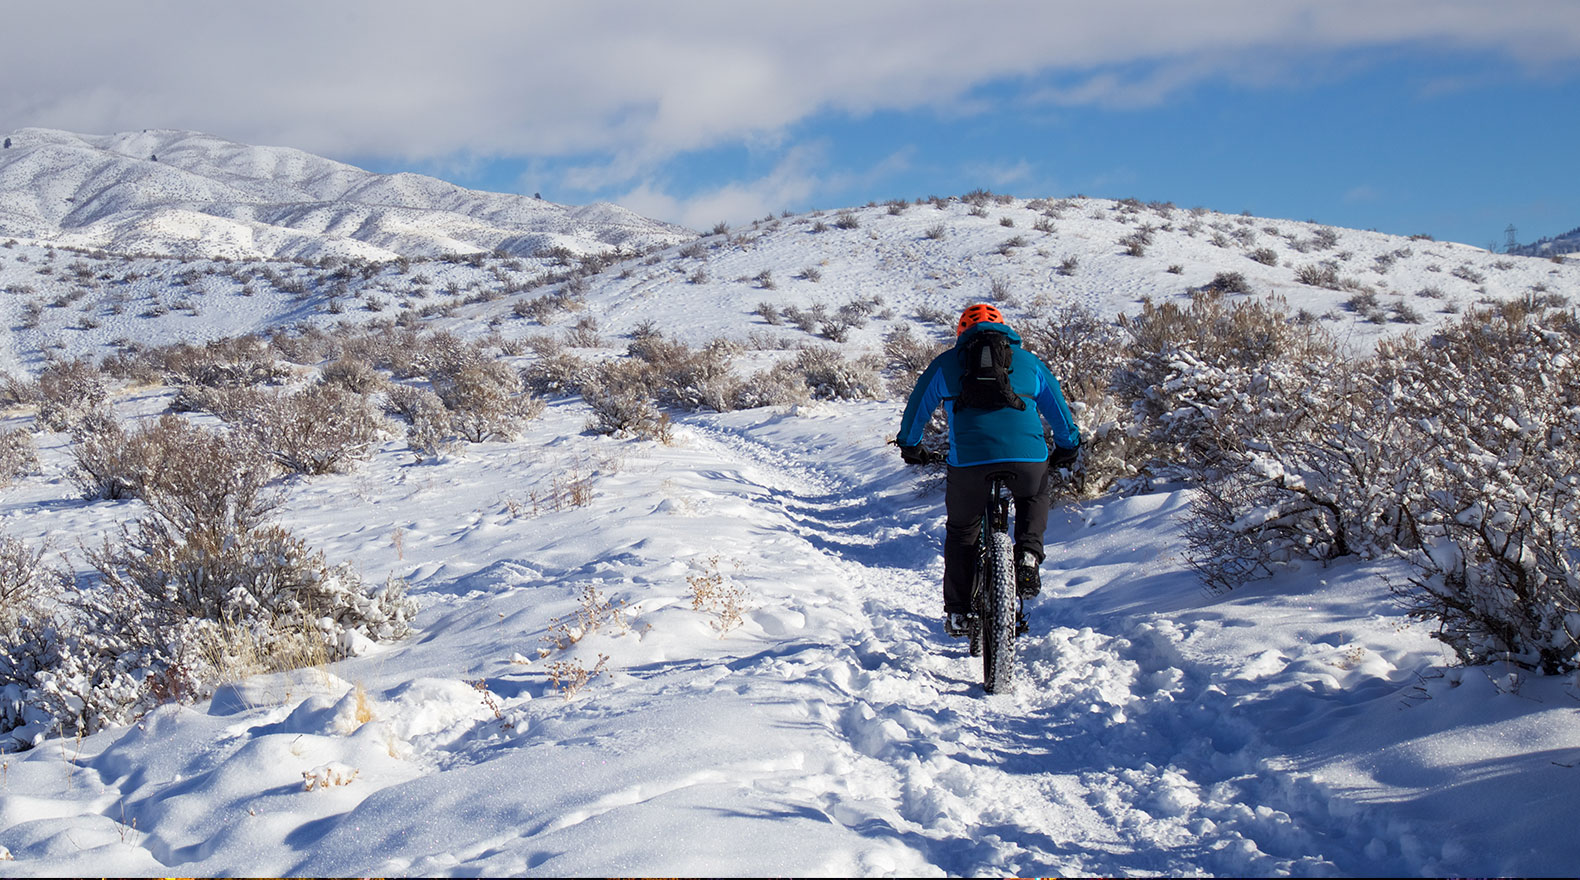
{"points": [[709, 379], [26, 581], [261, 590], [1196, 373], [1318, 275], [830, 376], [1424, 450], [18, 455], [1293, 455], [442, 353], [178, 612], [108, 463], [691, 379], [555, 371], [15, 391], [355, 375], [1405, 313], [240, 362], [111, 463], [306, 344], [806, 320], [772, 387], [486, 400], [1493, 403], [204, 479], [429, 431], [1469, 274], [1081, 349], [1085, 353], [1228, 282], [584, 334], [393, 348], [622, 402], [199, 590], [317, 430], [1313, 478], [222, 402], [411, 403], [32, 692], [68, 391], [906, 356], [837, 327]]}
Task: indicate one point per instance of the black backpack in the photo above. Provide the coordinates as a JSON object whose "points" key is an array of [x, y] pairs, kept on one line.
{"points": [[984, 379]]}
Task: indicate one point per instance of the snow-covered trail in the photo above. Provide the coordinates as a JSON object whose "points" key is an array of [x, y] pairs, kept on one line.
{"points": [[1115, 756], [831, 730]]}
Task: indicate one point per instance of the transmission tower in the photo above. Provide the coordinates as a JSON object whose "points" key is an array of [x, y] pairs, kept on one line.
{"points": [[1510, 241]]}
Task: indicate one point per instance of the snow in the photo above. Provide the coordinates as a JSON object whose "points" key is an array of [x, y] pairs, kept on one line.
{"points": [[1295, 726], [761, 686], [183, 192]]}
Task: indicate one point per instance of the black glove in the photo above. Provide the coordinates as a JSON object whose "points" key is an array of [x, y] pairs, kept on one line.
{"points": [[1063, 458], [914, 455]]}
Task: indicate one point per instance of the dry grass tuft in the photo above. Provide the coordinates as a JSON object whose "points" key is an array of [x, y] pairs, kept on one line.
{"points": [[594, 611], [712, 593], [569, 676]]}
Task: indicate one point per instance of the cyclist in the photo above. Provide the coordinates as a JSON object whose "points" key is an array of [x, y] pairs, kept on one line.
{"points": [[990, 437]]}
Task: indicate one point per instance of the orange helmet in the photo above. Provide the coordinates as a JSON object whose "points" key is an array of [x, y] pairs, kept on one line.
{"points": [[976, 314]]}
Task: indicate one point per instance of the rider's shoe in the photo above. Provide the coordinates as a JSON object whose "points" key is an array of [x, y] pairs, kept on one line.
{"points": [[1028, 582], [955, 625]]}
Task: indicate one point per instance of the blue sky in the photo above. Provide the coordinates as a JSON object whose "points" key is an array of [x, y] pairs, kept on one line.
{"points": [[1453, 118], [1458, 145]]}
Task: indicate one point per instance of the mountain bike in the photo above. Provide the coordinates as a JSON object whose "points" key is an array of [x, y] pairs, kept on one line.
{"points": [[995, 616]]}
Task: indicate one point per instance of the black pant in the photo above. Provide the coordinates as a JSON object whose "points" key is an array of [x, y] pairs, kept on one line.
{"points": [[965, 497]]}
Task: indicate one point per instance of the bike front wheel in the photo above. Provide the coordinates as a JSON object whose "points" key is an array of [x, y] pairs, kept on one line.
{"points": [[1001, 612]]}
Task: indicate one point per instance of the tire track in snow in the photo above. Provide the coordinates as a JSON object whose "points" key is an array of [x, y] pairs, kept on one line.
{"points": [[1113, 757], [912, 715]]}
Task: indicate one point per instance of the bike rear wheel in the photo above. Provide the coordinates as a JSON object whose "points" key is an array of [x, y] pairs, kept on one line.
{"points": [[1000, 615]]}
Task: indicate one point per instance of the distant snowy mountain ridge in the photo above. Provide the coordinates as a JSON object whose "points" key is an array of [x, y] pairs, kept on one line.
{"points": [[183, 193], [1568, 243]]}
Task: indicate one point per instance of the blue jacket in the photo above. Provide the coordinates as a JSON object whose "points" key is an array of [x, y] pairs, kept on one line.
{"points": [[979, 436]]}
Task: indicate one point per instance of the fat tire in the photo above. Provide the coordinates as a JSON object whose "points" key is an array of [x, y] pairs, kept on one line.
{"points": [[1000, 615]]}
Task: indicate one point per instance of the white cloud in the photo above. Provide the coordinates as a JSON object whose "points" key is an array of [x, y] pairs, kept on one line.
{"points": [[644, 81], [1002, 175], [796, 179], [1361, 194]]}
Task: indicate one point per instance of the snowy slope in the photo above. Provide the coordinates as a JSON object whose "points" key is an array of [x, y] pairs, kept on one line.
{"points": [[1297, 726], [926, 262], [921, 265], [1300, 726], [185, 193]]}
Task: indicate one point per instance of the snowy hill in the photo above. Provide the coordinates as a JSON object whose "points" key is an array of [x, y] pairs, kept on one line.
{"points": [[1030, 255], [754, 603], [189, 194], [923, 262]]}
